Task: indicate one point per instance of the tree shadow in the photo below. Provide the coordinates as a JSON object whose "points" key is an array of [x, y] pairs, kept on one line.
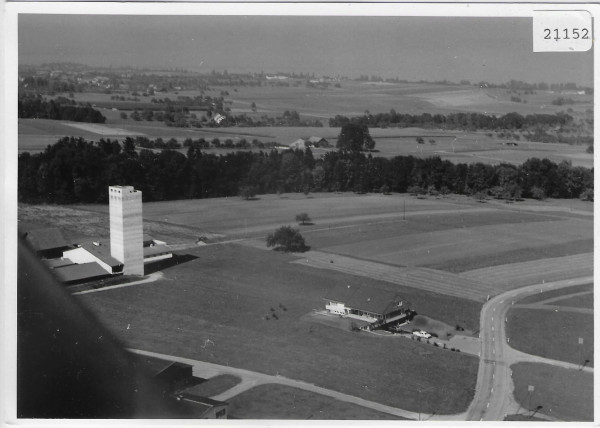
{"points": [[295, 250], [168, 263]]}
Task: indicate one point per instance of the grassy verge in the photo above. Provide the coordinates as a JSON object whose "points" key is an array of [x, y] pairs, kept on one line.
{"points": [[552, 334], [567, 395], [226, 294], [557, 293], [284, 402]]}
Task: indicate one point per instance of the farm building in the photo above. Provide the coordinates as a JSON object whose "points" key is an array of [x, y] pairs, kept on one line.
{"points": [[156, 253], [204, 408], [47, 243], [78, 273], [94, 252], [318, 142], [367, 304], [176, 379], [303, 143]]}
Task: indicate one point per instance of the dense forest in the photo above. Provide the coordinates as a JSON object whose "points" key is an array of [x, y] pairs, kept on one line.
{"points": [[34, 106], [75, 170]]}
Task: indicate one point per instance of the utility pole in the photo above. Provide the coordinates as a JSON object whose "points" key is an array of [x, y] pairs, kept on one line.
{"points": [[530, 389], [580, 341]]}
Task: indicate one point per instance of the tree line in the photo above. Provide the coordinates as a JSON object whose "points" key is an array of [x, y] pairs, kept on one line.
{"points": [[457, 121], [35, 106], [75, 170]]}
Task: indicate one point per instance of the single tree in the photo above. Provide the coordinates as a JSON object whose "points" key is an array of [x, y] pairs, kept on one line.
{"points": [[420, 140], [287, 239], [415, 190], [385, 189], [538, 193], [247, 192], [303, 218], [587, 195]]}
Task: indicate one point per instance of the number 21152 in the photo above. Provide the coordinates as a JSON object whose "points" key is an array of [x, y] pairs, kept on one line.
{"points": [[566, 33]]}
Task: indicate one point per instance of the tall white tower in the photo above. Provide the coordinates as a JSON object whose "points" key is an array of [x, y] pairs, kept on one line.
{"points": [[126, 232]]}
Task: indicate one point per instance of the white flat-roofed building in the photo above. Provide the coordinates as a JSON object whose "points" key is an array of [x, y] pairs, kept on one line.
{"points": [[126, 228], [366, 303]]}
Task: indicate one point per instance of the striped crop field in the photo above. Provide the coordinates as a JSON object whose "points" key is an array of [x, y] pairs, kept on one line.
{"points": [[535, 271]]}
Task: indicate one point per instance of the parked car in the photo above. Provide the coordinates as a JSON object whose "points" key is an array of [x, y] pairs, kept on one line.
{"points": [[421, 333]]}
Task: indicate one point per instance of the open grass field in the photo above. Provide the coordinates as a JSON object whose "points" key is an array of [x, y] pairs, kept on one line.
{"points": [[552, 330], [567, 395], [354, 98], [234, 216], [439, 248], [498, 101], [284, 402], [225, 295], [518, 274], [493, 247]]}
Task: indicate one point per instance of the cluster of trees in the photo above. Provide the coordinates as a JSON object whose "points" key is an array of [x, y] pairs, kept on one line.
{"points": [[47, 85], [228, 143], [560, 101], [75, 170], [289, 118], [35, 106], [460, 121]]}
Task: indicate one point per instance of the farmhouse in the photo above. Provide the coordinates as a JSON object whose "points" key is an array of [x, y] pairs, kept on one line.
{"points": [[367, 304], [303, 143]]}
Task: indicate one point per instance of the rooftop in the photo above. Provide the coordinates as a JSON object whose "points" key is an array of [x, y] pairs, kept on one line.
{"points": [[46, 239], [370, 299], [56, 263], [79, 272], [102, 251]]}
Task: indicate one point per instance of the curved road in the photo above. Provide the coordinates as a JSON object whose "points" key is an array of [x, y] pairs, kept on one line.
{"points": [[493, 398], [494, 392]]}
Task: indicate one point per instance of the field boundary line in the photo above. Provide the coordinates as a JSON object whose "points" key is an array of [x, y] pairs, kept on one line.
{"points": [[543, 307], [415, 277]]}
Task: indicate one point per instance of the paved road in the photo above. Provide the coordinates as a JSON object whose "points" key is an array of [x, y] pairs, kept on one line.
{"points": [[494, 392]]}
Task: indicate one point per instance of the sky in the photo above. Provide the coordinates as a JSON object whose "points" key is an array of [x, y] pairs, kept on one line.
{"points": [[411, 48]]}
